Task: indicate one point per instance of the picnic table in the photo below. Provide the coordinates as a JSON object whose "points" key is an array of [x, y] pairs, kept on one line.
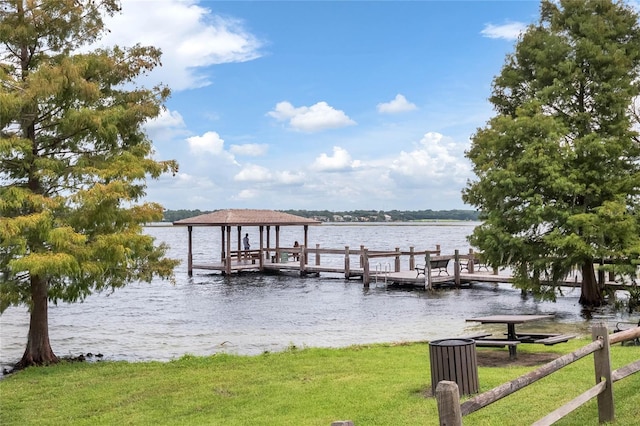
{"points": [[512, 337]]}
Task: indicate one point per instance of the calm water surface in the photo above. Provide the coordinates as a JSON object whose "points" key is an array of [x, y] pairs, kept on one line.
{"points": [[252, 313]]}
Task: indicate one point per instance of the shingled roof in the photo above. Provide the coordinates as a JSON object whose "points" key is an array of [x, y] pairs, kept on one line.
{"points": [[246, 217]]}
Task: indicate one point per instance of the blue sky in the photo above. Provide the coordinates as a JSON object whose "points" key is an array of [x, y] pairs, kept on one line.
{"points": [[337, 105]]}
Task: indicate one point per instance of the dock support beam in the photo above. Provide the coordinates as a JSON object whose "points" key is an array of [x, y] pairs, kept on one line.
{"points": [[347, 263], [190, 252], [456, 268], [427, 272], [365, 268]]}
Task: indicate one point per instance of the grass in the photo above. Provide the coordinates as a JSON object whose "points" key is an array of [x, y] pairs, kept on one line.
{"points": [[371, 385]]}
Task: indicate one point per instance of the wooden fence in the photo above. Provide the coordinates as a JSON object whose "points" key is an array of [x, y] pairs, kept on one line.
{"points": [[450, 410]]}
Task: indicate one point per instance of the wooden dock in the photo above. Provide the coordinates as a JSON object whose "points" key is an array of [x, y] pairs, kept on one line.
{"points": [[394, 268]]}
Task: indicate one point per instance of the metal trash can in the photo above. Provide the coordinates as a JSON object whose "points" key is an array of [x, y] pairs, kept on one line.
{"points": [[454, 360]]}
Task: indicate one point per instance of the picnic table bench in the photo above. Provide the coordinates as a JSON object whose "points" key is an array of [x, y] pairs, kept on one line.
{"points": [[439, 264], [512, 340], [626, 325]]}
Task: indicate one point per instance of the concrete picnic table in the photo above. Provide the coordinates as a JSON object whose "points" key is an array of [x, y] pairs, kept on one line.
{"points": [[511, 320]]}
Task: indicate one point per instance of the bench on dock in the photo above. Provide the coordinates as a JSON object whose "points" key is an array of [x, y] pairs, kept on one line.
{"points": [[561, 338], [439, 264], [477, 265]]}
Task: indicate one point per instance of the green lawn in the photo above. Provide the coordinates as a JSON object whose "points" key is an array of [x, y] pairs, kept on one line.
{"points": [[371, 385]]}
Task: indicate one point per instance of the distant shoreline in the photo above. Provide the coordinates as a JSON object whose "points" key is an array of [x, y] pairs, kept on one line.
{"points": [[355, 216]]}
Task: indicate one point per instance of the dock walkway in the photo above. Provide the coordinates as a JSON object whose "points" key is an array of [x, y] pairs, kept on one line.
{"points": [[394, 267]]}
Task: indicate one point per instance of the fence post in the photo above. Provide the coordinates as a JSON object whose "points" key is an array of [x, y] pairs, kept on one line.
{"points": [[397, 263], [448, 400], [602, 366], [317, 254]]}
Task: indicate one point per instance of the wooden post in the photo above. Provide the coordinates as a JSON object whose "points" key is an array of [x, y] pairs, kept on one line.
{"points": [[456, 268], [365, 267], [346, 263], [361, 258], [306, 235], [190, 252], [412, 259], [268, 252], [448, 400], [303, 260], [602, 364], [227, 264], [261, 263], [317, 254], [397, 263], [600, 275], [223, 245], [471, 263], [277, 243], [427, 271], [438, 250], [240, 254]]}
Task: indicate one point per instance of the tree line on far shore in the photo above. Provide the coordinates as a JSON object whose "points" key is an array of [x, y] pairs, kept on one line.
{"points": [[352, 216]]}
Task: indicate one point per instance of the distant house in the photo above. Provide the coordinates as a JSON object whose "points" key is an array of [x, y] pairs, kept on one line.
{"points": [[387, 218], [338, 218]]}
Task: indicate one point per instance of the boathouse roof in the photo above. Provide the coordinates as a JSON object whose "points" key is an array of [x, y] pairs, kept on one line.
{"points": [[246, 217]]}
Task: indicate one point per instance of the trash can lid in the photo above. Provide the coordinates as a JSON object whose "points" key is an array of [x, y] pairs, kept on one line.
{"points": [[452, 342]]}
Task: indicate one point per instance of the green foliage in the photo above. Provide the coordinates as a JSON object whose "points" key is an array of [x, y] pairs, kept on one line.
{"points": [[371, 385], [73, 155], [558, 167]]}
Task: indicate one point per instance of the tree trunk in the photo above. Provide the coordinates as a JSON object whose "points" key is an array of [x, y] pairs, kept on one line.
{"points": [[38, 350], [590, 295]]}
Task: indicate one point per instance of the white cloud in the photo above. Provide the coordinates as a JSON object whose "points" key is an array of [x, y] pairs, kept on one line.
{"points": [[250, 149], [508, 31], [259, 174], [246, 194], [436, 158], [210, 143], [191, 37], [320, 116], [399, 104], [166, 126], [340, 161], [289, 178], [253, 173]]}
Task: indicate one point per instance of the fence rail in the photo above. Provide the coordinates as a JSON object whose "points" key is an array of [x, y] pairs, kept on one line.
{"points": [[450, 410]]}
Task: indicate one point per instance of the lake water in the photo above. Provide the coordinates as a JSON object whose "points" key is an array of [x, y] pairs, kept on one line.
{"points": [[252, 313]]}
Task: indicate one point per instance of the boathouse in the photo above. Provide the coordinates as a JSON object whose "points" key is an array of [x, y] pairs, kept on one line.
{"points": [[237, 259]]}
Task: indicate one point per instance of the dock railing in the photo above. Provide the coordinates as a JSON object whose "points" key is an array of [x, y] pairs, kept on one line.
{"points": [[358, 262], [450, 411]]}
